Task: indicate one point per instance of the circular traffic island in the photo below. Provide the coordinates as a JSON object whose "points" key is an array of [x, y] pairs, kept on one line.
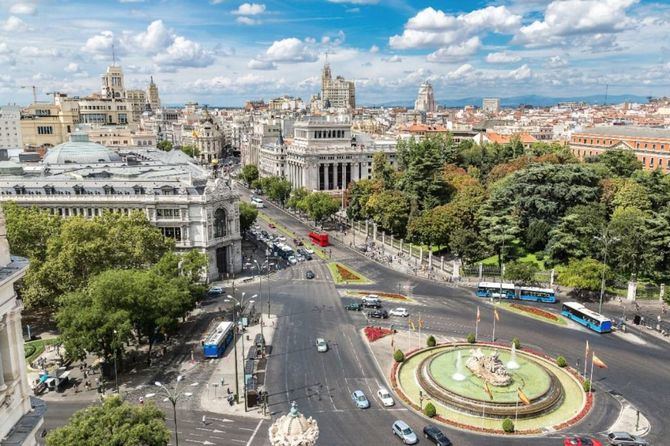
{"points": [[478, 386]]}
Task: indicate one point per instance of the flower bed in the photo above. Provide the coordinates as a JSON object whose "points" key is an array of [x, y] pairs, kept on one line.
{"points": [[346, 274], [383, 295], [536, 312], [374, 333]]}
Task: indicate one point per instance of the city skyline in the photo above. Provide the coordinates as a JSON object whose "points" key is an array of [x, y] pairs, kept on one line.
{"points": [[226, 52]]}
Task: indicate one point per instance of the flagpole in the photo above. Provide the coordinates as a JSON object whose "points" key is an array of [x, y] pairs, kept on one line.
{"points": [[516, 408], [419, 340], [494, 325], [591, 378], [477, 325], [586, 357]]}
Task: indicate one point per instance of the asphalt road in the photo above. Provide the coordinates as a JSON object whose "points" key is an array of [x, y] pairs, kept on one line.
{"points": [[639, 367]]}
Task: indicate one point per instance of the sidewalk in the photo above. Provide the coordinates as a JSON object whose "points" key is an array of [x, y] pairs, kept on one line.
{"points": [[222, 379]]}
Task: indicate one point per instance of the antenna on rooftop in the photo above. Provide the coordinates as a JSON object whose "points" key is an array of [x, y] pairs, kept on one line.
{"points": [[113, 54], [607, 86]]}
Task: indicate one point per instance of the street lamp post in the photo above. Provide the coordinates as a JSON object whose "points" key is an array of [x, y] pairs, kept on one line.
{"points": [[116, 355], [173, 396], [235, 321], [260, 297], [606, 240]]}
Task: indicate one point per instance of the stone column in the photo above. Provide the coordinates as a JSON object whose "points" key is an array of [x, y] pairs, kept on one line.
{"points": [[430, 258], [456, 273], [383, 242], [442, 263], [401, 240], [551, 279], [374, 232], [3, 338], [420, 254]]}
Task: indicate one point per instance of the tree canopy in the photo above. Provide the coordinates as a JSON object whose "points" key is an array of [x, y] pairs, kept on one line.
{"points": [[249, 174], [248, 215]]}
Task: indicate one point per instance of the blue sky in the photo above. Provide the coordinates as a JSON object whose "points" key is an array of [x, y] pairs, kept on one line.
{"points": [[223, 52]]}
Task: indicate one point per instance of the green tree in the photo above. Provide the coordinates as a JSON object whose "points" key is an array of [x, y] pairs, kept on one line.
{"points": [[164, 145], [390, 210], [358, 193], [249, 174], [84, 248], [278, 189], [575, 235], [633, 195], [321, 206], [433, 227], [248, 215], [521, 272], [631, 251], [382, 170], [298, 199], [466, 244], [190, 150], [398, 356], [536, 235], [657, 185], [191, 265], [508, 425], [115, 422], [621, 163], [584, 275], [29, 230], [499, 232], [430, 410]]}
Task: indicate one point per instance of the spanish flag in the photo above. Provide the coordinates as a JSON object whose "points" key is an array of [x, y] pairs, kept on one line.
{"points": [[478, 315], [495, 313], [487, 389], [411, 324], [587, 348], [598, 362], [420, 322], [522, 396]]}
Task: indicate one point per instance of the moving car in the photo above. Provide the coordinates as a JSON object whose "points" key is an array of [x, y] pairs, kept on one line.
{"points": [[309, 274], [404, 432], [321, 345], [581, 441], [385, 397], [215, 291], [379, 314], [360, 400], [402, 312], [372, 301], [625, 439], [433, 434], [272, 226], [354, 307]]}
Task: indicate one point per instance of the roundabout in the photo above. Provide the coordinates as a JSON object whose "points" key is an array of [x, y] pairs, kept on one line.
{"points": [[477, 386]]}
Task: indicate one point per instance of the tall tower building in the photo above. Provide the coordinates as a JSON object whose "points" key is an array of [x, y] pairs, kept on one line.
{"points": [[338, 92], [112, 83], [425, 100], [153, 99]]}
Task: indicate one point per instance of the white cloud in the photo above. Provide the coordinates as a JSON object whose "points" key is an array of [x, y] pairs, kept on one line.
{"points": [[455, 53], [4, 49], [14, 24], [356, 2], [502, 57], [565, 18], [521, 73], [247, 83], [35, 52], [374, 49], [249, 9], [256, 64], [183, 53], [72, 68], [23, 9], [393, 59], [157, 37], [433, 28], [247, 21], [556, 62], [100, 45], [289, 50]]}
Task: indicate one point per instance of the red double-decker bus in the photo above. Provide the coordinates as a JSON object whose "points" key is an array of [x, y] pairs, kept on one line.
{"points": [[319, 239]]}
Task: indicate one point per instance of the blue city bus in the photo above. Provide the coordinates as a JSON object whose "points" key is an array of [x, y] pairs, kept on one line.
{"points": [[545, 295], [590, 319], [492, 289], [217, 340]]}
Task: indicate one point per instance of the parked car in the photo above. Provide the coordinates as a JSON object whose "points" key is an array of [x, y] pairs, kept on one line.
{"points": [[435, 435], [309, 274], [372, 301], [385, 397], [281, 238], [215, 291], [625, 439], [581, 441], [378, 314], [292, 260], [402, 312], [360, 400], [354, 307], [311, 251], [300, 258], [404, 432], [321, 345]]}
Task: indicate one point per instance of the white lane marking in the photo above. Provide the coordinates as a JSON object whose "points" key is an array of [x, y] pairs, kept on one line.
{"points": [[255, 432]]}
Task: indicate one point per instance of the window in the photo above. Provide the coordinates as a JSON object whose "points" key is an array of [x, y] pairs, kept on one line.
{"points": [[45, 130], [174, 233], [167, 213], [220, 223]]}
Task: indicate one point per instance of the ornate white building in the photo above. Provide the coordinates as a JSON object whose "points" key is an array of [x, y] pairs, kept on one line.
{"points": [[337, 92], [181, 198], [20, 414], [425, 100]]}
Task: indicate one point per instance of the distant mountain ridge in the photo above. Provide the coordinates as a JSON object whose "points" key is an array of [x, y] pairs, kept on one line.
{"points": [[534, 100]]}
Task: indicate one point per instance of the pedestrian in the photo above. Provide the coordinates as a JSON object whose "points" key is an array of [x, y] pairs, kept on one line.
{"points": [[85, 374], [204, 420], [142, 400]]}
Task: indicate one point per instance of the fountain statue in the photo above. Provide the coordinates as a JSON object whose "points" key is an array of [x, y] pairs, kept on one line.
{"points": [[458, 375], [512, 364], [489, 368]]}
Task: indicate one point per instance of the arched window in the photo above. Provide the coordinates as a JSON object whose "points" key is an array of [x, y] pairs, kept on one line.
{"points": [[220, 224]]}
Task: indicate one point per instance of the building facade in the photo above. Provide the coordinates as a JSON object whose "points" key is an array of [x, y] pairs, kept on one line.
{"points": [[425, 100], [650, 145], [153, 99], [491, 105], [10, 127], [179, 197], [336, 92], [21, 415], [137, 99]]}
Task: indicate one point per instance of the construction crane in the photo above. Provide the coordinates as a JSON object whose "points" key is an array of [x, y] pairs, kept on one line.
{"points": [[34, 91]]}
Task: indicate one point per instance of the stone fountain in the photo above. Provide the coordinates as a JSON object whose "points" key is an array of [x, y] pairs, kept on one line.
{"points": [[512, 364], [489, 368], [458, 375]]}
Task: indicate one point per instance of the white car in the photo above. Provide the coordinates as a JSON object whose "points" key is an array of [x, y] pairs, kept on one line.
{"points": [[292, 260], [385, 397], [321, 345], [311, 251], [402, 312], [281, 238]]}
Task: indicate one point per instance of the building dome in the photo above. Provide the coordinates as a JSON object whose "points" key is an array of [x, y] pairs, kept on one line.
{"points": [[79, 150], [294, 430]]}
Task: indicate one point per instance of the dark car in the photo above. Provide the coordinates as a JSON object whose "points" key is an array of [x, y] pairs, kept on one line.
{"points": [[309, 275], [436, 436], [379, 314], [215, 291], [354, 307]]}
